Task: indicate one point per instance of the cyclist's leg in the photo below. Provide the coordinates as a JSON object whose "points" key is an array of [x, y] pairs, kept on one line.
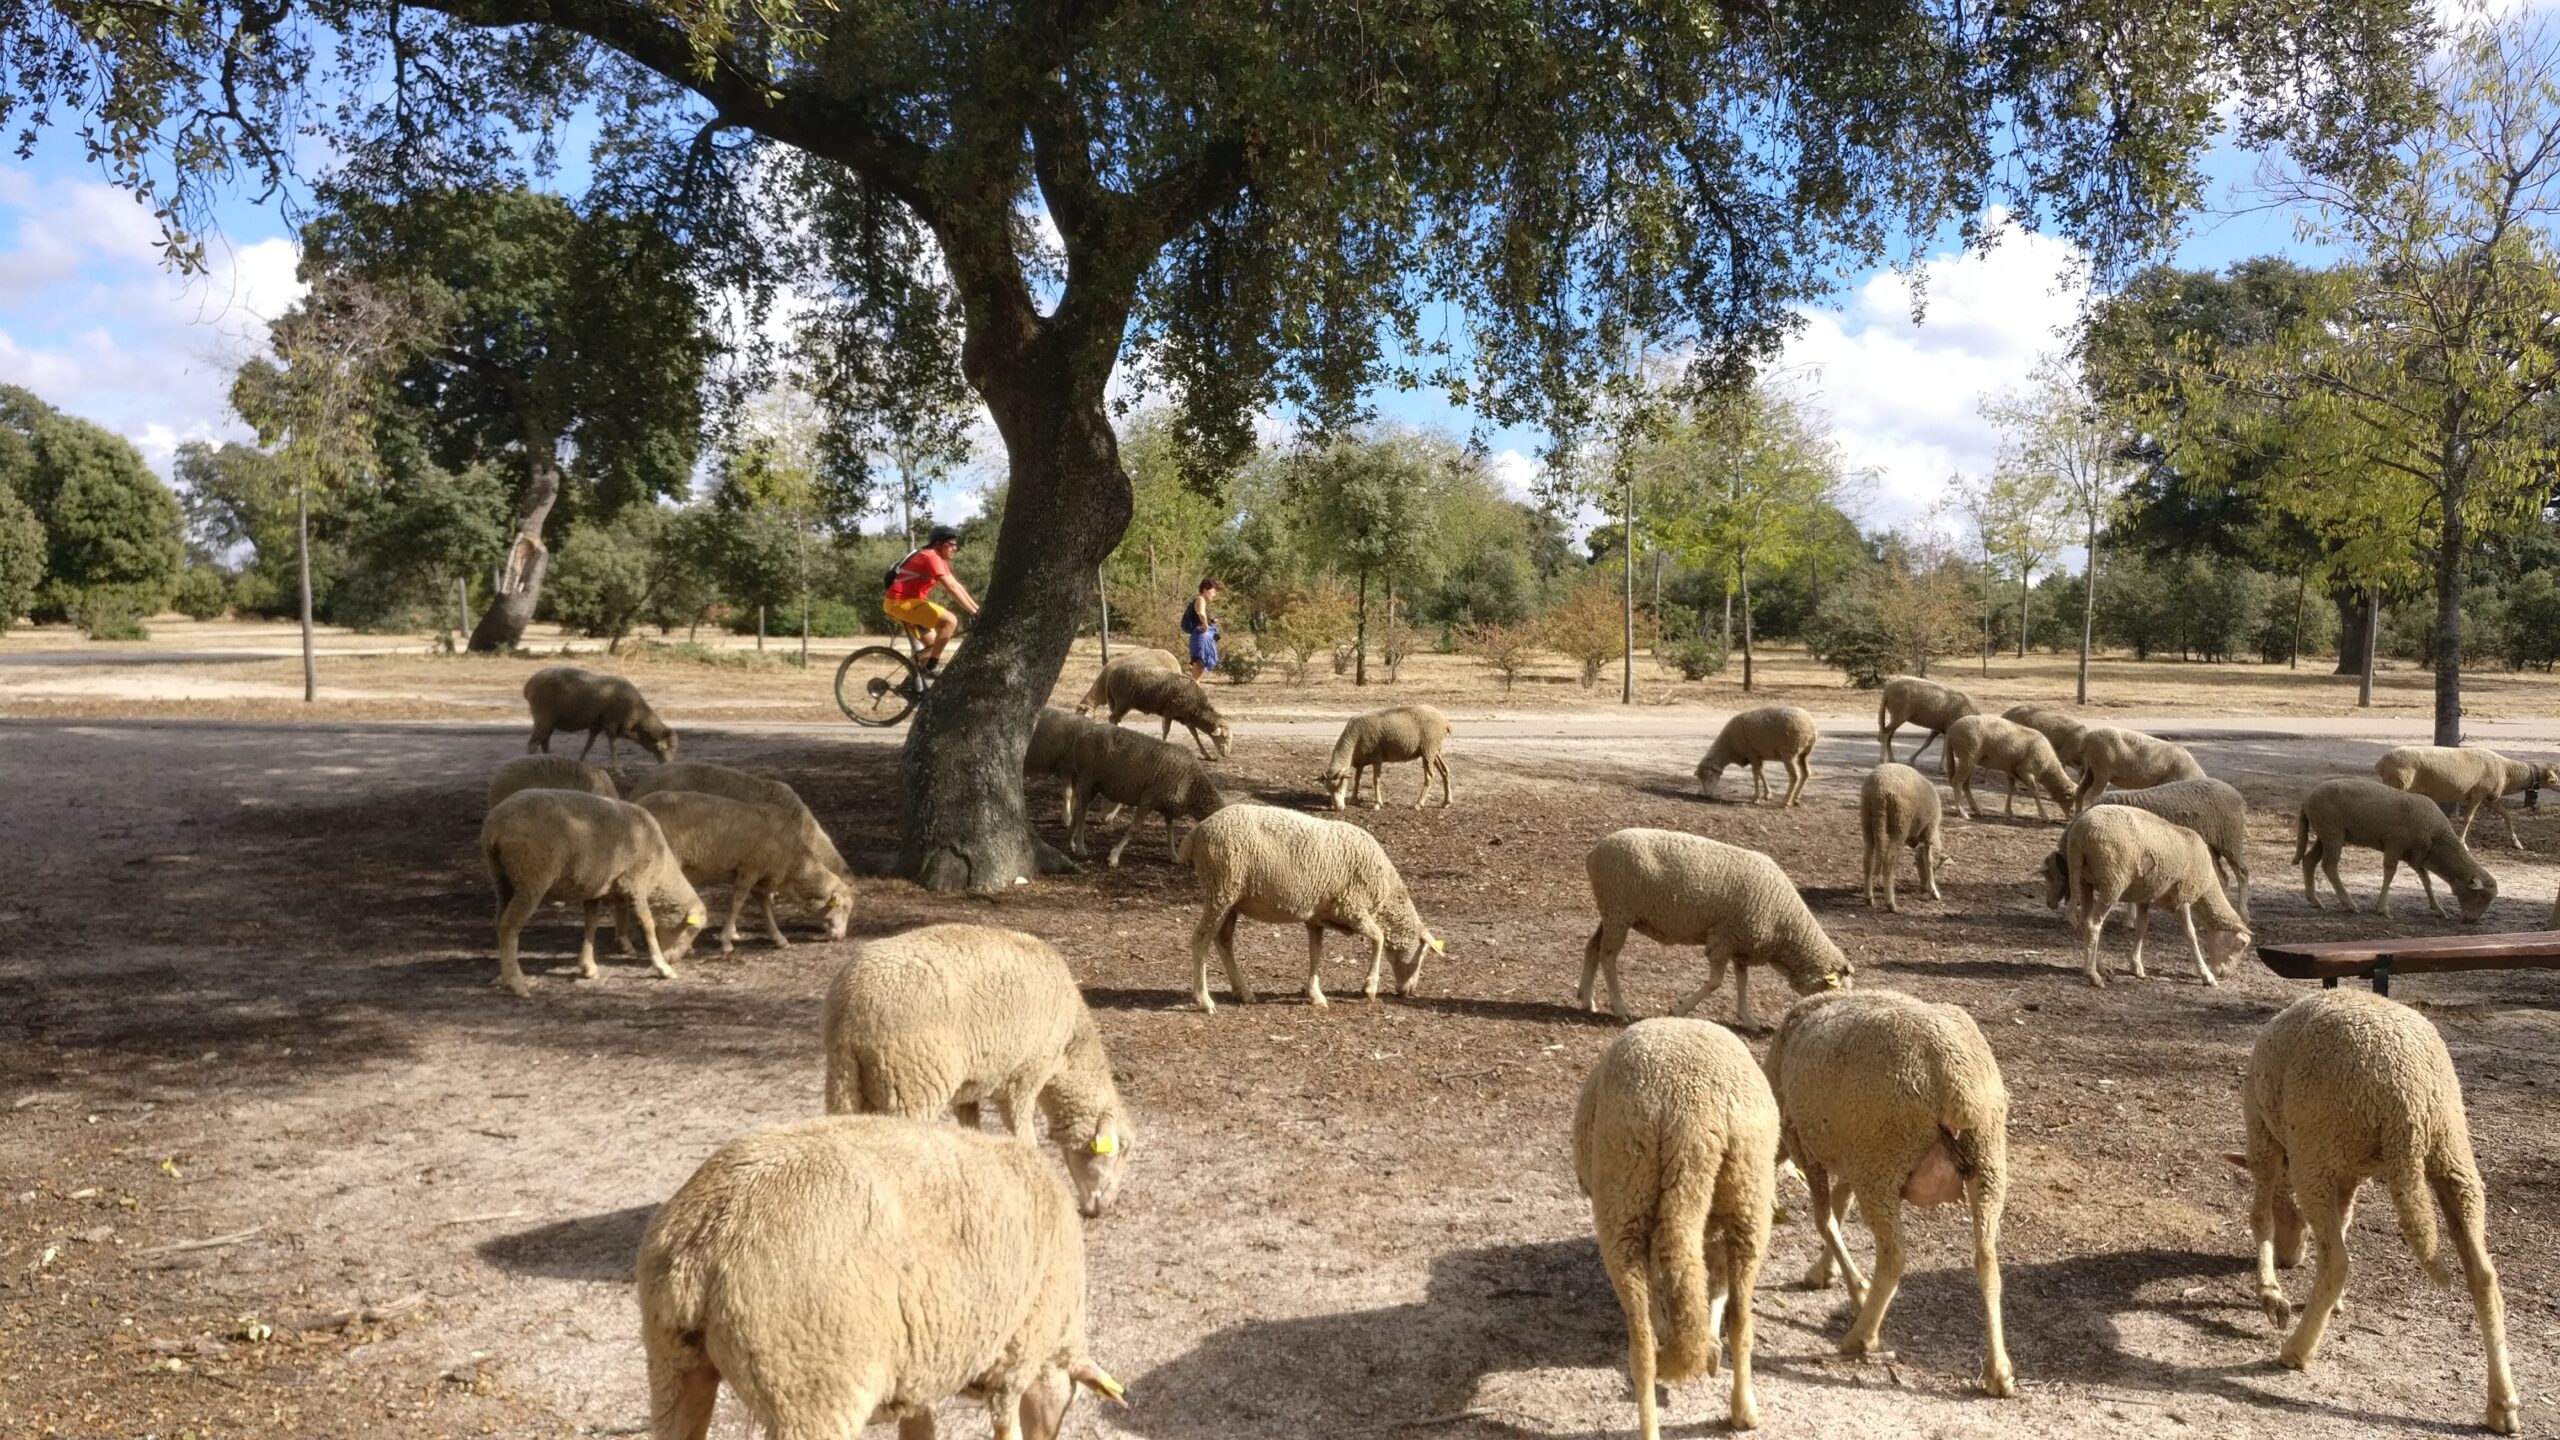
{"points": [[945, 625]]}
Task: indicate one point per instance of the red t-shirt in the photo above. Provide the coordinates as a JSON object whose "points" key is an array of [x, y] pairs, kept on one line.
{"points": [[918, 574]]}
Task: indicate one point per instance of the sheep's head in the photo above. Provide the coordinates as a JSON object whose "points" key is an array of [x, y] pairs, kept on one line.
{"points": [[2223, 947], [653, 732], [2473, 893], [835, 903], [2057, 880], [1044, 1406], [1337, 787], [1218, 734], [1100, 1162], [695, 916], [1710, 774], [1408, 966]]}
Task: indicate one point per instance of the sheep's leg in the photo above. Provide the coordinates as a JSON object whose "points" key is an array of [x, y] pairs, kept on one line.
{"points": [[590, 745], [511, 919], [1448, 797], [1315, 958], [1235, 972], [2009, 782], [1759, 782], [649, 937], [1799, 775], [1934, 737], [2270, 1201], [2427, 883], [1928, 859], [1830, 1203], [1985, 1195], [2195, 944], [2329, 866], [2512, 837], [1377, 959], [1745, 1248], [2141, 928], [1630, 1276], [587, 941], [2463, 1203], [1884, 739], [1145, 805], [1600, 954], [920, 1427], [1205, 936], [739, 890], [1883, 1206], [1079, 810], [1715, 977], [772, 926], [683, 1387], [2093, 924], [2328, 1203], [2382, 901], [1378, 786]]}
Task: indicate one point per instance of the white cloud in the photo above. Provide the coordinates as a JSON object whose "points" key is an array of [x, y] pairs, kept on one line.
{"points": [[93, 323], [1902, 397], [1516, 473]]}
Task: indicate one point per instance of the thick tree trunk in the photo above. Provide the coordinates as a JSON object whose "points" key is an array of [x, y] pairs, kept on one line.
{"points": [[2372, 632], [1360, 636], [962, 822], [2449, 619], [2088, 607], [2355, 626], [502, 625]]}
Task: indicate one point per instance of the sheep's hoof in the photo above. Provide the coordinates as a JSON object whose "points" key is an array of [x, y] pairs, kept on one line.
{"points": [[2501, 1419], [1854, 1344], [1746, 1415], [519, 987], [2097, 979], [1817, 1278], [1999, 1382], [2279, 1310], [1206, 1005], [2295, 1355], [1316, 998]]}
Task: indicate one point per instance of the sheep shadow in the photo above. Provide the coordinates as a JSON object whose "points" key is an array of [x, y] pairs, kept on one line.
{"points": [[584, 1247]]}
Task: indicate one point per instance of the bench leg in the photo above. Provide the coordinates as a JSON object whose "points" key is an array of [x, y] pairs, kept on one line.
{"points": [[2328, 982], [2382, 976]]}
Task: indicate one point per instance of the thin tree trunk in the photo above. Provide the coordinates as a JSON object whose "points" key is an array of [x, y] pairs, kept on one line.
{"points": [[1724, 637], [907, 495], [302, 539], [1359, 634], [1102, 592], [2364, 646], [461, 610], [2301, 583], [759, 629], [2088, 607], [801, 524], [1627, 612], [2024, 575], [1987, 603], [510, 611], [2449, 553], [1746, 631]]}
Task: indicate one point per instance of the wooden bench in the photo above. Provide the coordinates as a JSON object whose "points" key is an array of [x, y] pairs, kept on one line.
{"points": [[2378, 960]]}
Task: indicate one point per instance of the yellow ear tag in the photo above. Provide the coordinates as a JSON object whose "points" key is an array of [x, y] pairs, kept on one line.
{"points": [[694, 917], [1106, 1144], [1103, 1382], [1439, 949]]}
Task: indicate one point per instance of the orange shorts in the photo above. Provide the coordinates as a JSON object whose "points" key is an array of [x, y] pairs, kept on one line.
{"points": [[920, 613]]}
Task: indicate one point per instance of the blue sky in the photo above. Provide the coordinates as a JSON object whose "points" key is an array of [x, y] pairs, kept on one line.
{"points": [[91, 321]]}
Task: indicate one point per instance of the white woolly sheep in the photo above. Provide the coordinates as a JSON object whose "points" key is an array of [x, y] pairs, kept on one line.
{"points": [[564, 697], [860, 1268], [2344, 1087], [1782, 733], [2404, 827], [1898, 809], [2116, 853], [1142, 658], [1675, 1139], [2465, 777], [952, 1017], [550, 772], [1736, 904], [1889, 1099], [566, 845], [2015, 752], [1259, 862], [1149, 776], [1175, 697], [712, 779], [1910, 700], [2129, 760], [757, 850], [2062, 731], [2217, 812], [1386, 737]]}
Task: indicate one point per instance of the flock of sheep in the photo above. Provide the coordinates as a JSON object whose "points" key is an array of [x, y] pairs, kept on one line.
{"points": [[867, 1265]]}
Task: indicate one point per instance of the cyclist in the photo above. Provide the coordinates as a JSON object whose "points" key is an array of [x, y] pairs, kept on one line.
{"points": [[913, 579]]}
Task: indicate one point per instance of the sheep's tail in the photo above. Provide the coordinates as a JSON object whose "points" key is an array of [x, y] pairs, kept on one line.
{"points": [[1678, 1246], [2301, 836], [2416, 1206], [1182, 852], [498, 874]]}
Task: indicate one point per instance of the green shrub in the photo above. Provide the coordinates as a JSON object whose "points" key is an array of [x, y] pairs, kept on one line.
{"points": [[2533, 621], [203, 593], [1849, 635], [110, 613], [1241, 667], [836, 620], [22, 547], [1698, 657]]}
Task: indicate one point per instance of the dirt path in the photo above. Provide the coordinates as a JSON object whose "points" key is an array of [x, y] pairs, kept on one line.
{"points": [[244, 996]]}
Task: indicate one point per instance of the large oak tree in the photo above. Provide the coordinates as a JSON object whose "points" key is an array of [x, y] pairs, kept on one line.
{"points": [[1274, 203]]}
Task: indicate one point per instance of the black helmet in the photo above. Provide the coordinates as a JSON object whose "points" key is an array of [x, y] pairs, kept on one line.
{"points": [[940, 533]]}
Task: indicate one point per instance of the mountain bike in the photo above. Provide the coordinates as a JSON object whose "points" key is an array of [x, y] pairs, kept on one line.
{"points": [[880, 685]]}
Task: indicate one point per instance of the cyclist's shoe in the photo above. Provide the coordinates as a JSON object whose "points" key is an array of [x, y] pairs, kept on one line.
{"points": [[932, 667], [911, 687]]}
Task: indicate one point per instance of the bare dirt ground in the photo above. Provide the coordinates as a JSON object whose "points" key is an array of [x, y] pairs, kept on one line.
{"points": [[245, 999]]}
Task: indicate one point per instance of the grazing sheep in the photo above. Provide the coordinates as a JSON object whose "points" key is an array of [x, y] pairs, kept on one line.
{"points": [[2344, 1087], [2404, 827], [860, 1268], [1140, 657], [1053, 732], [1776, 732], [1386, 737], [1987, 742], [564, 697], [567, 845], [1259, 862], [549, 772], [712, 779], [1149, 776], [1890, 1099], [1910, 700], [2117, 853], [757, 850], [2215, 811], [951, 1017], [1176, 697], [1675, 1139], [1736, 904], [2063, 732], [2129, 760], [1898, 808], [2466, 777]]}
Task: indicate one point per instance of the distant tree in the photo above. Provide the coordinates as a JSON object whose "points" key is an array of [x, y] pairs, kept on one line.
{"points": [[409, 537], [1366, 503], [774, 474], [603, 581], [1506, 649], [111, 529], [2056, 431], [202, 593], [22, 550]]}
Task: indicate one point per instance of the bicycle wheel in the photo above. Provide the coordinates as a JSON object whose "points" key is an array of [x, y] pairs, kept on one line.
{"points": [[877, 686]]}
